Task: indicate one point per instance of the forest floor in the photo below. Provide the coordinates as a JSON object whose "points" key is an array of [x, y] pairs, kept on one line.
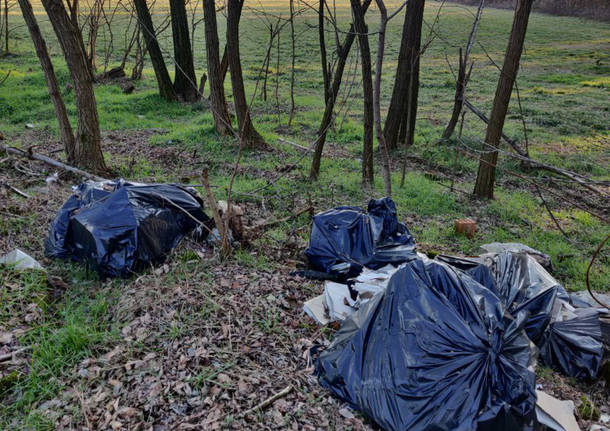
{"points": [[199, 341]]}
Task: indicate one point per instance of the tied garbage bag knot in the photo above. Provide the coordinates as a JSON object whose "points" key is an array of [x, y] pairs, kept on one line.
{"points": [[436, 350]]}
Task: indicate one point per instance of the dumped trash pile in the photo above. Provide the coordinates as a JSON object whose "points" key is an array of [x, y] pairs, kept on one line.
{"points": [[444, 343], [118, 227]]}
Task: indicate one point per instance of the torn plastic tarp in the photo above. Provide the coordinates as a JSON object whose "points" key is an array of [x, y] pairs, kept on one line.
{"points": [[346, 239], [119, 227], [435, 351]]}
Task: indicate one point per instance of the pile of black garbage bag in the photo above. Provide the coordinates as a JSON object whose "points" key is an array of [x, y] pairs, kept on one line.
{"points": [[451, 344], [118, 227], [346, 239]]}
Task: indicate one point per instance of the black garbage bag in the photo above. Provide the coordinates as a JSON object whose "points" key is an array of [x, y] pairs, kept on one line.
{"points": [[84, 194], [345, 239], [574, 346], [120, 227], [520, 282], [435, 351]]}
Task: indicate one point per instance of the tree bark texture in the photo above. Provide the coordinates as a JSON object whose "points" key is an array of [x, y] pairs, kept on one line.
{"points": [[88, 149], [218, 101], [66, 135], [251, 138], [166, 88], [184, 80], [367, 90], [484, 186], [403, 105]]}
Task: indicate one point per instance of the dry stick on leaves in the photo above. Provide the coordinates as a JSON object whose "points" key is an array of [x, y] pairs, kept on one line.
{"points": [[221, 225], [15, 190], [271, 223], [269, 400], [31, 155]]}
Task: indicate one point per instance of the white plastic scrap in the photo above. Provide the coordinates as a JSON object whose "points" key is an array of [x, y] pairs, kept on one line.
{"points": [[556, 414], [20, 260]]}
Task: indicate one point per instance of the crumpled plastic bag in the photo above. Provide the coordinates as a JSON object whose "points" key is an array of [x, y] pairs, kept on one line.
{"points": [[120, 227], [572, 344], [435, 351], [345, 239]]}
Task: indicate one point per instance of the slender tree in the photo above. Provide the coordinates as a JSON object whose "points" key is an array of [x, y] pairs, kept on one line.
{"points": [[484, 186], [251, 138], [367, 90], [88, 149], [184, 80], [342, 54], [463, 75], [292, 59], [218, 102], [385, 155], [66, 136], [403, 106], [166, 88], [323, 55], [6, 32]]}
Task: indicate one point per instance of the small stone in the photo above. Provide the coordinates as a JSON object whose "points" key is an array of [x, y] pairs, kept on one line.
{"points": [[6, 337], [346, 413], [29, 126]]}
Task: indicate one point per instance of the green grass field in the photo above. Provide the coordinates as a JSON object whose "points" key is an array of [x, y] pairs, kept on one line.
{"points": [[565, 95]]}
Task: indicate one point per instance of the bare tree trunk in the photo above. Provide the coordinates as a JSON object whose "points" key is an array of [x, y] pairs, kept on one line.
{"points": [[218, 102], [324, 56], [224, 64], [292, 55], [166, 89], [247, 132], [267, 62], [184, 81], [367, 90], [6, 26], [385, 156], [88, 149], [484, 186], [342, 54], [66, 136], [403, 106], [463, 76]]}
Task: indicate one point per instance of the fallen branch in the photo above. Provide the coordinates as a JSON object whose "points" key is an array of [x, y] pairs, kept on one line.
{"points": [[297, 146], [269, 400], [31, 155], [14, 353], [15, 190], [521, 155], [271, 223], [483, 118]]}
